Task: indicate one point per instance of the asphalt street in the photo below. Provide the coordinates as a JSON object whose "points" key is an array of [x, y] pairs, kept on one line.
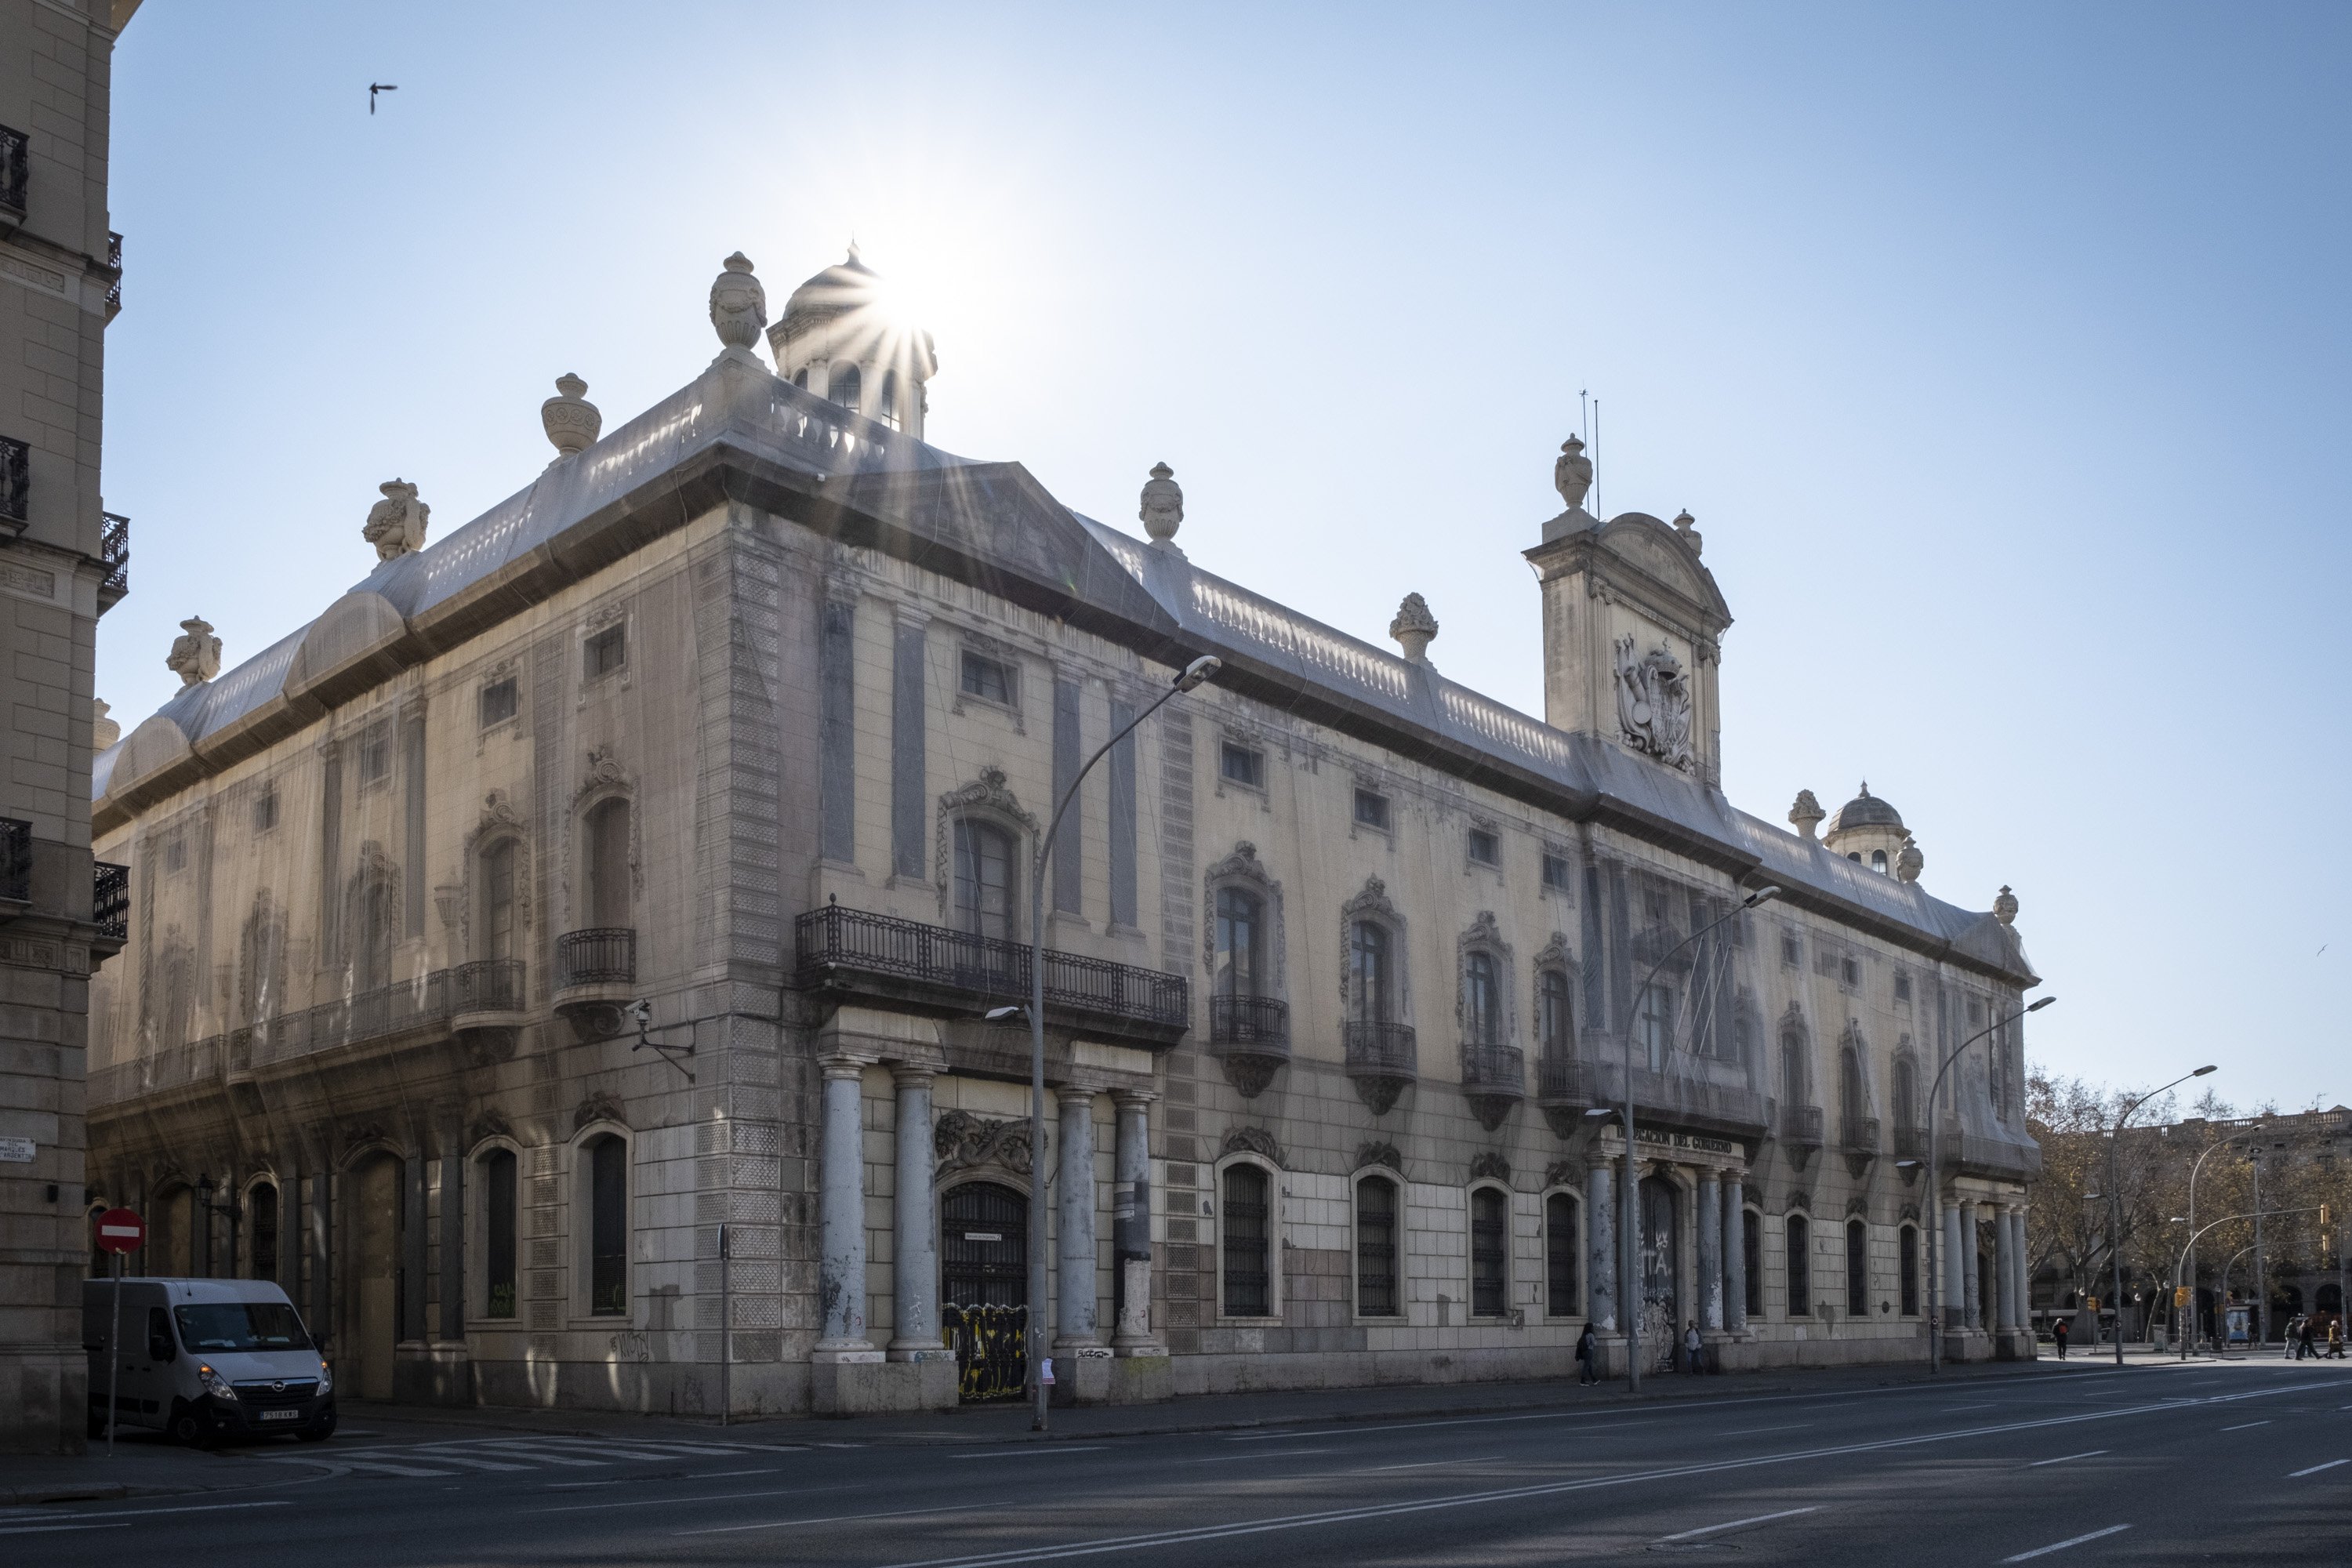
{"points": [[2242, 1463]]}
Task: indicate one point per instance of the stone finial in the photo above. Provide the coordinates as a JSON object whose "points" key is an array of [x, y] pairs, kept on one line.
{"points": [[570, 421], [1414, 627], [1689, 534], [395, 525], [739, 306], [2004, 908], [1908, 862], [195, 652], [1571, 472], [1163, 505], [1807, 813], [103, 731]]}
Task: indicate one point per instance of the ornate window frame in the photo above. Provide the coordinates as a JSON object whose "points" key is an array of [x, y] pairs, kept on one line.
{"points": [[1372, 903], [1557, 1187], [1485, 937], [973, 644], [603, 780], [1275, 1233], [1243, 869], [1500, 1184], [985, 799], [1376, 1168], [1554, 957], [580, 1218], [488, 1142]]}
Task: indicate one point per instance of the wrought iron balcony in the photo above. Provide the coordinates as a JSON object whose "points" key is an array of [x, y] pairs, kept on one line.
{"points": [[1858, 1134], [110, 900], [486, 986], [842, 949], [1382, 1059], [114, 265], [1250, 1038], [1493, 1070], [1569, 1081], [15, 483], [601, 955], [15, 861], [1800, 1126], [1910, 1143], [114, 550], [15, 166]]}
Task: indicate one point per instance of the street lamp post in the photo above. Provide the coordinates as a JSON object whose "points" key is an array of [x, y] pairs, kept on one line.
{"points": [[2221, 1340], [2194, 1233], [1628, 1243], [1192, 674], [1934, 1181], [2115, 1197]]}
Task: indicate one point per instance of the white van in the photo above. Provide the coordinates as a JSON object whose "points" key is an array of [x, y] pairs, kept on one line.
{"points": [[206, 1359]]}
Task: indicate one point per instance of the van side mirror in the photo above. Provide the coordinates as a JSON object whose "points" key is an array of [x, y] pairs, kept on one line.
{"points": [[159, 1336]]}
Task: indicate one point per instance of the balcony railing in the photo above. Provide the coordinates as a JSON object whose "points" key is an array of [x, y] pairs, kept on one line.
{"points": [[114, 263], [601, 955], [14, 165], [109, 900], [1910, 1143], [1493, 1070], [1380, 1050], [1858, 1134], [487, 986], [16, 481], [115, 551], [15, 860], [1801, 1125], [1258, 1021], [1565, 1080], [838, 945]]}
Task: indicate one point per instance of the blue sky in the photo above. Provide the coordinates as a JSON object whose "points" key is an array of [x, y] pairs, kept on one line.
{"points": [[1998, 349]]}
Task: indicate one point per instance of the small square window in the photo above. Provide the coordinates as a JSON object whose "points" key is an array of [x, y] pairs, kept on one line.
{"points": [[1244, 765], [1372, 809], [1486, 849], [1903, 988], [605, 652], [265, 811], [1555, 873], [175, 855], [1792, 953], [1852, 972], [989, 679], [375, 752], [497, 701]]}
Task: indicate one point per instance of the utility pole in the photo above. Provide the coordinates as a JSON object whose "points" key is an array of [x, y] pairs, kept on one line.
{"points": [[2260, 1314]]}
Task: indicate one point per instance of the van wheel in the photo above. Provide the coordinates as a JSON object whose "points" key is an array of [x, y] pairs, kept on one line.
{"points": [[190, 1428]]}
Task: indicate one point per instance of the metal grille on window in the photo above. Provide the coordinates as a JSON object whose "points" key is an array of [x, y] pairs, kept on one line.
{"points": [[1559, 1256], [608, 1204], [499, 1233], [1800, 1274], [1908, 1251], [1751, 1231], [1248, 1286], [1376, 1250], [1490, 1243], [1857, 1269]]}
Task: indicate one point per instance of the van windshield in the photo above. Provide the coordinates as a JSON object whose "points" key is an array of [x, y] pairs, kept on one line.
{"points": [[241, 1326]]}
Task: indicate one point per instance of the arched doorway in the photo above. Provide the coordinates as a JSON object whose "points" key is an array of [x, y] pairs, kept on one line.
{"points": [[1661, 1258], [984, 1286], [371, 1311]]}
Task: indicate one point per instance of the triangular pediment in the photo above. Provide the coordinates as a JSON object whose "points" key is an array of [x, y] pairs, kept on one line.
{"points": [[1653, 549]]}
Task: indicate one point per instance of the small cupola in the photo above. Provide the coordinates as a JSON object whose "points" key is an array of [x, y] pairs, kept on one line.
{"points": [[1869, 829], [843, 337]]}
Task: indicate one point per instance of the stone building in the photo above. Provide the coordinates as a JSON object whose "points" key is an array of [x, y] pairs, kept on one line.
{"points": [[570, 958], [63, 562]]}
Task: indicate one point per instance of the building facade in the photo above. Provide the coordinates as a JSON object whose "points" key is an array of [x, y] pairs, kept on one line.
{"points": [[570, 959], [64, 562]]}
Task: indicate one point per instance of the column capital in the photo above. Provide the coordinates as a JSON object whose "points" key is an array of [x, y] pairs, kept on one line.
{"points": [[1069, 1094], [913, 1075], [1134, 1099], [844, 1064]]}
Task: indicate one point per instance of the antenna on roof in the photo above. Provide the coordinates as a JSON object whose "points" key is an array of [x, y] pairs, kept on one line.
{"points": [[1596, 459]]}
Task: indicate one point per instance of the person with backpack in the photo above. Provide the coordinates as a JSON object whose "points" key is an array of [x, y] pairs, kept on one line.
{"points": [[2058, 1332], [2304, 1348], [1586, 1353], [1694, 1347]]}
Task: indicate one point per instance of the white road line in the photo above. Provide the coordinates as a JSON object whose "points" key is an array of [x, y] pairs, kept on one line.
{"points": [[676, 1501], [2244, 1425], [522, 1448], [1262, 1454], [472, 1463], [1954, 1409], [49, 1529], [2086, 1453], [1751, 1431], [1420, 1465], [138, 1513], [1031, 1451], [610, 1450], [728, 1475], [841, 1519], [389, 1468], [2315, 1470], [1289, 1435], [2061, 1545], [1734, 1524]]}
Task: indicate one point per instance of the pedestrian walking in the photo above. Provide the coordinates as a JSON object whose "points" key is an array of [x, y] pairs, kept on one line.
{"points": [[1585, 1355], [1693, 1347], [2304, 1349], [2058, 1332], [2335, 1338]]}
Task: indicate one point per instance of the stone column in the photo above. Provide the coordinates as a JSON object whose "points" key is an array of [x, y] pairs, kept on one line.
{"points": [[1600, 1251], [1075, 1222], [1131, 1224], [841, 1209], [2023, 1308], [1735, 1255], [1956, 1294], [413, 1323], [1969, 1273], [915, 1225], [317, 1237], [1710, 1252], [453, 1232], [2004, 1272]]}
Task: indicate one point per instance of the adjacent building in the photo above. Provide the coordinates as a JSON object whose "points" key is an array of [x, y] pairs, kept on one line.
{"points": [[567, 961]]}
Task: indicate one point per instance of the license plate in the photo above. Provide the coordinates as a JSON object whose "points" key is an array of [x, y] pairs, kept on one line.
{"points": [[280, 1414]]}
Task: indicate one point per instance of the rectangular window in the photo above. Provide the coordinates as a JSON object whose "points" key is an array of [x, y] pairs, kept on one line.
{"points": [[1792, 953], [605, 652], [1851, 972], [1653, 1024], [1751, 1233], [1244, 765], [265, 811], [375, 752], [1555, 873], [497, 701], [1908, 1250], [1486, 849], [1559, 1256], [1246, 1231], [498, 1232], [1902, 987], [1372, 809], [989, 680], [1490, 1250], [175, 855], [1376, 1248], [608, 1228], [1801, 1270], [1857, 1269]]}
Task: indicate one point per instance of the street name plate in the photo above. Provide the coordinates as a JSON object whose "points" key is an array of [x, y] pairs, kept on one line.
{"points": [[16, 1151]]}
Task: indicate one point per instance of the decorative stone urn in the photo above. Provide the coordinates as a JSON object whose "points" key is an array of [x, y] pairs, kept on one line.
{"points": [[196, 654], [570, 421], [1163, 505], [1807, 814], [1909, 862], [1414, 627], [1571, 472], [739, 306], [1688, 533], [2004, 908], [103, 731]]}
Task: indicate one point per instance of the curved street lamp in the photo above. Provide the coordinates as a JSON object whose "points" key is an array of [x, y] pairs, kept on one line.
{"points": [[1935, 1180], [2188, 1331], [2115, 1197]]}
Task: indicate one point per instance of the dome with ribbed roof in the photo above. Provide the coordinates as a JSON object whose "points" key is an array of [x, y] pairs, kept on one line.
{"points": [[1865, 810], [834, 292]]}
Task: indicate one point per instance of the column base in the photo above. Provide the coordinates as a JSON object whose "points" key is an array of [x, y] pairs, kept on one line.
{"points": [[919, 1350], [1142, 1377], [859, 1382], [1082, 1374]]}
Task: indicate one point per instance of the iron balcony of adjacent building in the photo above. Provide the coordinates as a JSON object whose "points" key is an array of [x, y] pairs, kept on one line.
{"points": [[1384, 1060], [114, 268], [488, 1002], [1910, 1143], [1250, 1038], [114, 553], [843, 952], [110, 907], [1494, 1079], [15, 485], [14, 173], [595, 977], [1800, 1126], [15, 861], [1858, 1134]]}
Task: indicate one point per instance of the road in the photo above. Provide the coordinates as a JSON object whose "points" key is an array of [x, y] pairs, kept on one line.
{"points": [[2242, 1463]]}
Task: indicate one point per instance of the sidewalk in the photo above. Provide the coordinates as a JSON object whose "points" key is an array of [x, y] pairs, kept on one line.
{"points": [[146, 1465]]}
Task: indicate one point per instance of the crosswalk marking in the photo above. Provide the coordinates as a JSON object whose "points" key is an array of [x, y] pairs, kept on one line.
{"points": [[385, 1466], [461, 1455]]}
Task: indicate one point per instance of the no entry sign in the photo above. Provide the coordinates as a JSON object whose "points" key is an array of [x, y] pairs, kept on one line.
{"points": [[120, 1230]]}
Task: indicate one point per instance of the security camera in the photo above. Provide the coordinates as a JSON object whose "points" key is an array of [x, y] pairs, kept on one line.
{"points": [[643, 1012]]}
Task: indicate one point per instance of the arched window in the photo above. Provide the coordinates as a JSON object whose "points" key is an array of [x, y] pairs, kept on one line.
{"points": [[608, 1227], [1482, 989], [262, 1249], [1372, 979], [1801, 1271], [886, 408], [1878, 861], [1906, 1092], [1752, 1232], [1560, 1233], [1792, 1069], [1907, 1263], [1849, 1106], [1241, 944], [986, 878], [1857, 1269], [607, 853], [1376, 1247], [1555, 1023], [499, 1234], [497, 930], [847, 386], [1247, 1231], [1490, 1252], [800, 378], [372, 956]]}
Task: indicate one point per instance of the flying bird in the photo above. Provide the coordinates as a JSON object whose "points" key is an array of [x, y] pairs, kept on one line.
{"points": [[376, 87]]}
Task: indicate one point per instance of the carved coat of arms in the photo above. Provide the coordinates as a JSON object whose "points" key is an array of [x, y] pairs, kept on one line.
{"points": [[1654, 703]]}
